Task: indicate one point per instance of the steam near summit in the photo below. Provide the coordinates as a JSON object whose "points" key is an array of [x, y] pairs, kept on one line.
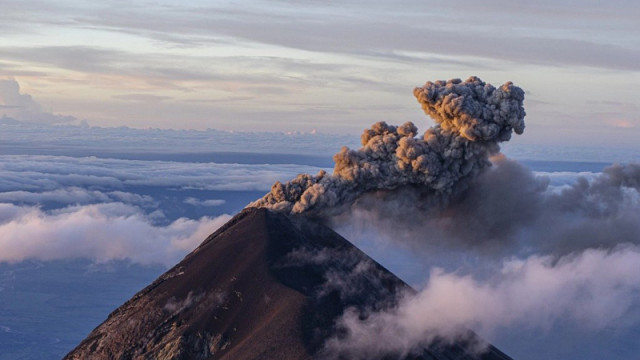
{"points": [[472, 118]]}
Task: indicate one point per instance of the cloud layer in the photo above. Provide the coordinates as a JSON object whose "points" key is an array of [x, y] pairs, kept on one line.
{"points": [[59, 207], [594, 290], [37, 138], [38, 173], [351, 35], [102, 232]]}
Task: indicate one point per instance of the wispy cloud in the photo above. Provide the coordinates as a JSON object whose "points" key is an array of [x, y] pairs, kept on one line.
{"points": [[355, 30], [144, 98], [209, 202], [314, 53]]}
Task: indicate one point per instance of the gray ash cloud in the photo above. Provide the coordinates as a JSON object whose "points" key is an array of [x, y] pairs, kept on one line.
{"points": [[472, 118]]}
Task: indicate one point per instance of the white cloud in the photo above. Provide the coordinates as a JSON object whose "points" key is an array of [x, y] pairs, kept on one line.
{"points": [[55, 175], [573, 31], [101, 232], [23, 107], [593, 289], [198, 202], [75, 195]]}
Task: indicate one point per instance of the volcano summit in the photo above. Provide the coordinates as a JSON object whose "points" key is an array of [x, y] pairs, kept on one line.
{"points": [[264, 286]]}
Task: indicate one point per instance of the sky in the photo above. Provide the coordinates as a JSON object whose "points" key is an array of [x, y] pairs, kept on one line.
{"points": [[333, 67]]}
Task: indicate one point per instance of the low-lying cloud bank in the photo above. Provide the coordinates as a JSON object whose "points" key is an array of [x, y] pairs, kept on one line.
{"points": [[595, 289], [102, 232], [59, 207], [50, 173], [75, 195]]}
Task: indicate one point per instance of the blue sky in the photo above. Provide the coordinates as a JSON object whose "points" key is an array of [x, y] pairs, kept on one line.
{"points": [[333, 67]]}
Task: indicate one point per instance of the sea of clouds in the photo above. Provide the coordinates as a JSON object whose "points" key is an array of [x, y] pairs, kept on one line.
{"points": [[55, 207]]}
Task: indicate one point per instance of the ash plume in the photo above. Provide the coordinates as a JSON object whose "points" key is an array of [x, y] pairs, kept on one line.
{"points": [[508, 210], [472, 118]]}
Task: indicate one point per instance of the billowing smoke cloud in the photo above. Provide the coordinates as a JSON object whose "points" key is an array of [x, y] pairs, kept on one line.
{"points": [[472, 118], [508, 210], [102, 232]]}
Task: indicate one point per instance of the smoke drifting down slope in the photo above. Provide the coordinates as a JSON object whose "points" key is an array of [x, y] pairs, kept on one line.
{"points": [[472, 118]]}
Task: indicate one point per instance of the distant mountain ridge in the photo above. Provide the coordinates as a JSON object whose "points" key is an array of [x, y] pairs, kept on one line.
{"points": [[263, 286]]}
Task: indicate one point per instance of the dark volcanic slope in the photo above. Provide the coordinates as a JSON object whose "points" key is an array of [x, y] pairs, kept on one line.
{"points": [[256, 289]]}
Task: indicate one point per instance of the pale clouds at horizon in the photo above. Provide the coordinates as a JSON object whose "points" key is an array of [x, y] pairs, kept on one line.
{"points": [[61, 207], [55, 173], [285, 66], [100, 232]]}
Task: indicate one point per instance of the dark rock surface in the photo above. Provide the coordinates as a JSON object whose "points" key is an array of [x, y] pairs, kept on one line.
{"points": [[264, 286]]}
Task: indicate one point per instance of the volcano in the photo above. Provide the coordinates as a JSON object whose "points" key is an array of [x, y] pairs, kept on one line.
{"points": [[263, 286]]}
